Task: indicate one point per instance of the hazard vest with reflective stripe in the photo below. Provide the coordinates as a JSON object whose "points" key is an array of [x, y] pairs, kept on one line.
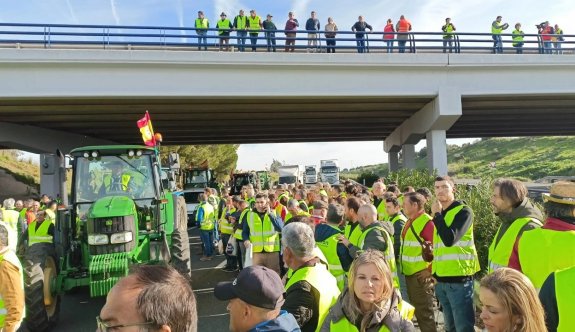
{"points": [[500, 253], [517, 37], [254, 24], [263, 236], [223, 26], [352, 236], [209, 217], [202, 23], [238, 233], [388, 253], [381, 211], [329, 248], [399, 216], [241, 22], [542, 251], [125, 181], [461, 258], [448, 33], [410, 258], [225, 226], [565, 293], [497, 29], [39, 235], [325, 284], [406, 311], [11, 257]]}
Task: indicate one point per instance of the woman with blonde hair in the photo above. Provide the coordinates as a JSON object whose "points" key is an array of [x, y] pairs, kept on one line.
{"points": [[510, 303], [369, 303]]}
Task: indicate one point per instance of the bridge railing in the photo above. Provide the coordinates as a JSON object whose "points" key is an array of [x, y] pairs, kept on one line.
{"points": [[24, 35]]}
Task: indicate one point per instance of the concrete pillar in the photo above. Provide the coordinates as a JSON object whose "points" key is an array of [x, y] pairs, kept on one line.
{"points": [[393, 161], [51, 176], [408, 152], [437, 151]]}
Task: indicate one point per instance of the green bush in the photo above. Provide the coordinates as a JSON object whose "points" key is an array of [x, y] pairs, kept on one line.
{"points": [[367, 178]]}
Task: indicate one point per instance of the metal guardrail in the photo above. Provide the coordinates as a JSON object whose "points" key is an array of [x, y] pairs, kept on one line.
{"points": [[132, 37]]}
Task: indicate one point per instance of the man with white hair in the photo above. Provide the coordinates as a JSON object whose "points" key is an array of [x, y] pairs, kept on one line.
{"points": [[11, 284], [10, 217], [311, 289], [294, 210]]}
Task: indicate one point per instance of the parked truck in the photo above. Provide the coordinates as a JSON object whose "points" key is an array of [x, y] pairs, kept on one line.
{"points": [[329, 170], [311, 174], [290, 174]]}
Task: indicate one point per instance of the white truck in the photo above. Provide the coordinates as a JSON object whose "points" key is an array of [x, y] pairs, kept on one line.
{"points": [[290, 174], [329, 171], [310, 174]]}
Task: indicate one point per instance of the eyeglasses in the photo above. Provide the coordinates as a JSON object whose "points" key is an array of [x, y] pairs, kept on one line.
{"points": [[104, 327]]}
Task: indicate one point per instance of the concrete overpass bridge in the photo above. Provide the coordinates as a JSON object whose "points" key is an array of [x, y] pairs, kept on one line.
{"points": [[63, 98]]}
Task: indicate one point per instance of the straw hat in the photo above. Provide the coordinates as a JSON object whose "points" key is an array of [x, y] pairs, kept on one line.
{"points": [[562, 192]]}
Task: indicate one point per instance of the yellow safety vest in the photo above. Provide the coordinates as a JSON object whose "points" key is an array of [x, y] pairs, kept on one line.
{"points": [[406, 311], [209, 217], [263, 236], [302, 213], [458, 260], [202, 23], [329, 248], [499, 254], [325, 284], [448, 33], [39, 235], [395, 219], [238, 233], [223, 26], [225, 226], [125, 181], [352, 236], [410, 257], [517, 37], [11, 257], [322, 192], [388, 253], [241, 22], [11, 217], [497, 30], [565, 293], [254, 24], [542, 251], [381, 211]]}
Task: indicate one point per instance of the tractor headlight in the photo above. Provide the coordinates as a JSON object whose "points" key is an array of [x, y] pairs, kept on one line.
{"points": [[123, 237], [97, 239]]}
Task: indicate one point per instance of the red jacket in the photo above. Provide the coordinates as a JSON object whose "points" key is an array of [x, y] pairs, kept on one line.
{"points": [[386, 29], [546, 32]]}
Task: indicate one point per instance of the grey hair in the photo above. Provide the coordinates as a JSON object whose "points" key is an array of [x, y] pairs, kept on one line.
{"points": [[9, 203], [292, 203], [4, 241], [299, 238]]}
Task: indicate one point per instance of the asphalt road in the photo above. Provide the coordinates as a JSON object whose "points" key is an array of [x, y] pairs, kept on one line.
{"points": [[78, 311]]}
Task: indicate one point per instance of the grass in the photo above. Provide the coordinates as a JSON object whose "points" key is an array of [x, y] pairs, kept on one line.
{"points": [[24, 171]]}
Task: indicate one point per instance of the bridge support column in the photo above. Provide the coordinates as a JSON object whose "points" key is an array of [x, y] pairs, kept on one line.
{"points": [[437, 151], [408, 152], [393, 161]]}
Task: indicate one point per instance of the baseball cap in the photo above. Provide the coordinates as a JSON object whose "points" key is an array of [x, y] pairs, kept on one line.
{"points": [[256, 285], [223, 14], [270, 15]]}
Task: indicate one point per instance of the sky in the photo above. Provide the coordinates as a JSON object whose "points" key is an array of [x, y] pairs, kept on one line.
{"points": [[425, 15]]}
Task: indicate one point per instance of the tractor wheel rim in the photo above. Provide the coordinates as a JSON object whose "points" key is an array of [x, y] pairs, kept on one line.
{"points": [[49, 276]]}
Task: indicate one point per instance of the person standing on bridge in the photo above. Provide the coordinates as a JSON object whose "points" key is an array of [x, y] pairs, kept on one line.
{"points": [[291, 25], [448, 29], [11, 284], [402, 27], [496, 29], [518, 36], [558, 39], [241, 26], [312, 26], [202, 25], [270, 31], [360, 28], [330, 33], [389, 35], [511, 204], [254, 25], [224, 27]]}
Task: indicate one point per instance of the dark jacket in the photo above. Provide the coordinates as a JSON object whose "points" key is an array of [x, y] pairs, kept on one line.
{"points": [[360, 27], [323, 232], [397, 228], [269, 25], [285, 322], [388, 315], [549, 301], [461, 223], [525, 210], [302, 301], [374, 240], [312, 24]]}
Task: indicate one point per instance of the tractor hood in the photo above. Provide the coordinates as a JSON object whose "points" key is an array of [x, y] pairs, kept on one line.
{"points": [[112, 206]]}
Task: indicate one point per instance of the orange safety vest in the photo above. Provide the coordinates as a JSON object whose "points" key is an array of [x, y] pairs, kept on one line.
{"points": [[404, 26]]}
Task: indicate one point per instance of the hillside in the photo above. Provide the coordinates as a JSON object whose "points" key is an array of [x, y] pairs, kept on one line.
{"points": [[525, 158], [18, 178]]}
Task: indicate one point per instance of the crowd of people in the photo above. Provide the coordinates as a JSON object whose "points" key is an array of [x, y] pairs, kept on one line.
{"points": [[346, 258], [551, 38]]}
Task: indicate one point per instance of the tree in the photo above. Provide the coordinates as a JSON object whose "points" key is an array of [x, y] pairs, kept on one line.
{"points": [[275, 165], [222, 158]]}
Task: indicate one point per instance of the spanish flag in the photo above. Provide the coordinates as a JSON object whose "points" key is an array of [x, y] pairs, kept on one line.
{"points": [[145, 125]]}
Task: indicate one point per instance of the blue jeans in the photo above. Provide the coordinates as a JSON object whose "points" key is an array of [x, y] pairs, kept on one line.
{"points": [[254, 41], [360, 45], [271, 41], [497, 44], [547, 48], [242, 40], [389, 46], [457, 302], [401, 43], [207, 238], [447, 41], [202, 40]]}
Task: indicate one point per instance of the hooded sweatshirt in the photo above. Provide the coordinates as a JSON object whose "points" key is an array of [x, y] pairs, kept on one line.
{"points": [[525, 210], [387, 315], [323, 232], [284, 322]]}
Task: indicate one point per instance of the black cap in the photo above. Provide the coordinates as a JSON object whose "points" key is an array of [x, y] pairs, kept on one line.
{"points": [[256, 285]]}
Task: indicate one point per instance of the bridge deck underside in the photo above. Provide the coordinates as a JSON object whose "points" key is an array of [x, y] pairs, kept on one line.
{"points": [[288, 119]]}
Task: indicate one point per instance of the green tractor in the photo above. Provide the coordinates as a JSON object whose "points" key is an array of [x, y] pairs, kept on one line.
{"points": [[120, 214]]}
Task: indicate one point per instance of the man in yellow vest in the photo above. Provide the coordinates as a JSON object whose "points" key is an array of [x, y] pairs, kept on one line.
{"points": [[352, 230], [236, 218], [549, 248], [205, 216], [226, 229], [311, 289], [396, 218], [116, 181], [224, 26], [518, 36], [11, 285], [294, 209], [327, 240], [202, 25], [511, 204], [556, 295], [379, 199], [11, 218], [261, 233], [496, 29], [448, 30], [417, 271], [455, 259], [241, 26], [254, 26]]}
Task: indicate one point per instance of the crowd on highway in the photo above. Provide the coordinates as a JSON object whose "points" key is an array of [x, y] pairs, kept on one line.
{"points": [[344, 258], [551, 36]]}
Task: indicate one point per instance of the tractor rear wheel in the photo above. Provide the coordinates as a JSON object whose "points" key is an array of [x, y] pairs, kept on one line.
{"points": [[180, 241]]}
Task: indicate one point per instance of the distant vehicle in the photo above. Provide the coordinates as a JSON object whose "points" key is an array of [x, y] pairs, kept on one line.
{"points": [[260, 180], [198, 177], [310, 174], [329, 171], [290, 174], [191, 196]]}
